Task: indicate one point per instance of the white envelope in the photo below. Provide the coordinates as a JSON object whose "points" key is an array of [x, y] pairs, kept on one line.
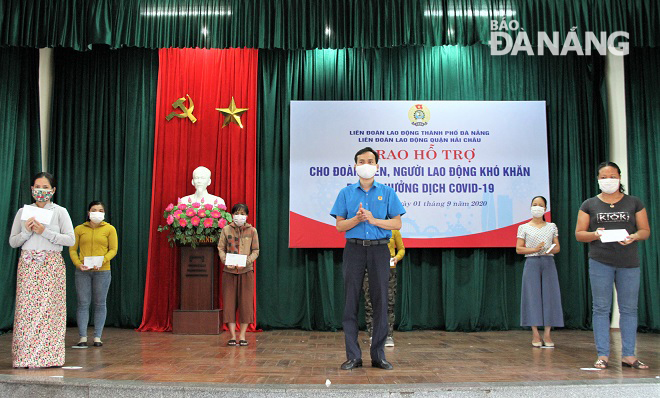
{"points": [[613, 235], [93, 262], [44, 216], [239, 260], [552, 246]]}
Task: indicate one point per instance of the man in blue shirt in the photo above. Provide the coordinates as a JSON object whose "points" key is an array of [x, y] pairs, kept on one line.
{"points": [[367, 211]]}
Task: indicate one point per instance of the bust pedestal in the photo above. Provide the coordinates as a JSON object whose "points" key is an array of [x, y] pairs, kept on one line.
{"points": [[198, 292]]}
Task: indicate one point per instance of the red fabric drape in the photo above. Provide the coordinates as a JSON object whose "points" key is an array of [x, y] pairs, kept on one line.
{"points": [[211, 78]]}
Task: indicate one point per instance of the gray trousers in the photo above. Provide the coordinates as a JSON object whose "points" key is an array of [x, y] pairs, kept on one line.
{"points": [[540, 303], [357, 260]]}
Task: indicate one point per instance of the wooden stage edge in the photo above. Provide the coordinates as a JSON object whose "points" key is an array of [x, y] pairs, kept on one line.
{"points": [[311, 358]]}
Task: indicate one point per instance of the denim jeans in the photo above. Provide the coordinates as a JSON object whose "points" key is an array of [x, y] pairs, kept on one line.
{"points": [[603, 277], [92, 285]]}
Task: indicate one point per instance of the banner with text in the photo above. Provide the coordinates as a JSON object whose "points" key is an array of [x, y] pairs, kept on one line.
{"points": [[466, 171]]}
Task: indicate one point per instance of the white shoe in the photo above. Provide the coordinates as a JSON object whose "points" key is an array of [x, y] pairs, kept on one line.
{"points": [[389, 342]]}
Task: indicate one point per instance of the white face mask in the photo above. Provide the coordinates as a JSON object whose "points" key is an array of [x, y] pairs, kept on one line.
{"points": [[96, 216], [609, 185], [537, 211], [366, 170], [240, 219]]}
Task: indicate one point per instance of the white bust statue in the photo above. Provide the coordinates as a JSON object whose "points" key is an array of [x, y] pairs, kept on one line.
{"points": [[201, 180]]}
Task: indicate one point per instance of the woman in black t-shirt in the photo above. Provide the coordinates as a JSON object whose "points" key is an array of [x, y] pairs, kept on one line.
{"points": [[613, 263]]}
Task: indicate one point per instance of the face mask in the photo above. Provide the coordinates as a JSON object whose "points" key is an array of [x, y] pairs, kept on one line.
{"points": [[42, 195], [239, 219], [537, 211], [609, 185], [366, 171], [96, 216]]}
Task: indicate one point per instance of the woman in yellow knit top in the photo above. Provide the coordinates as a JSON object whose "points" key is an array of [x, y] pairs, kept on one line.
{"points": [[96, 244], [397, 250]]}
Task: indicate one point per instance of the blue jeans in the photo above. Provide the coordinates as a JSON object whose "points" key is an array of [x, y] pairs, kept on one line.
{"points": [[603, 277], [92, 285]]}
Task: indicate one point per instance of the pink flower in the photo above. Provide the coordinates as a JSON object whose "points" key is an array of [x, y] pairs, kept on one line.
{"points": [[190, 212], [196, 205], [208, 206], [177, 214], [208, 222], [216, 214], [169, 207], [201, 213], [194, 221], [183, 222], [170, 220], [222, 222], [202, 200], [189, 200], [178, 200], [222, 207], [182, 206]]}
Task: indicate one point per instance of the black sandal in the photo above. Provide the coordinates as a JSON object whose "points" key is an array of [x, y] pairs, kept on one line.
{"points": [[637, 365], [243, 343], [231, 342], [601, 364]]}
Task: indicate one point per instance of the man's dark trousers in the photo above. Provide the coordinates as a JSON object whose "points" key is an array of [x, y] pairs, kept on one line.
{"points": [[376, 261]]}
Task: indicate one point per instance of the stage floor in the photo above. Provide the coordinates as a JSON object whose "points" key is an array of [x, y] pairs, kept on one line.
{"points": [[301, 357]]}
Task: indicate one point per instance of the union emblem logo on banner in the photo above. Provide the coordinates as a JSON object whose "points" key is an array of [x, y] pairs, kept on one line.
{"points": [[419, 115]]}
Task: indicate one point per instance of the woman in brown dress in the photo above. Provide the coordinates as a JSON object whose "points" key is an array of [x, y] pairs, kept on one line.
{"points": [[241, 238]]}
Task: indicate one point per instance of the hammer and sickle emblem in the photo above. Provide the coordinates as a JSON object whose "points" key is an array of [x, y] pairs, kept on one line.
{"points": [[187, 112]]}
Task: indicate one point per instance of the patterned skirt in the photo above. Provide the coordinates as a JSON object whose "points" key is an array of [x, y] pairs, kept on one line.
{"points": [[40, 317]]}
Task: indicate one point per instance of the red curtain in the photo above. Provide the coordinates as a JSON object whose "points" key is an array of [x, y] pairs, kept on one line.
{"points": [[211, 78]]}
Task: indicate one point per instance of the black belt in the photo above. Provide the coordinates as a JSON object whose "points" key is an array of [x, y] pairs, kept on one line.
{"points": [[374, 242]]}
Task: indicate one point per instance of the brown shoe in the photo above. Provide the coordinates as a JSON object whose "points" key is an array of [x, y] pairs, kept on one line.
{"points": [[635, 365]]}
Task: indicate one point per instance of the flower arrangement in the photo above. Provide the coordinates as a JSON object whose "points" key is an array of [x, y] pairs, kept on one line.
{"points": [[194, 223]]}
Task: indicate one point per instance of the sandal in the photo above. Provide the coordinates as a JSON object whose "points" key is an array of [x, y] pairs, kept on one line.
{"points": [[243, 343], [231, 342], [637, 365], [600, 364]]}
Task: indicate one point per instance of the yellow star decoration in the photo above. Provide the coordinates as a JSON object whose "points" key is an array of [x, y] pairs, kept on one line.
{"points": [[232, 114]]}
